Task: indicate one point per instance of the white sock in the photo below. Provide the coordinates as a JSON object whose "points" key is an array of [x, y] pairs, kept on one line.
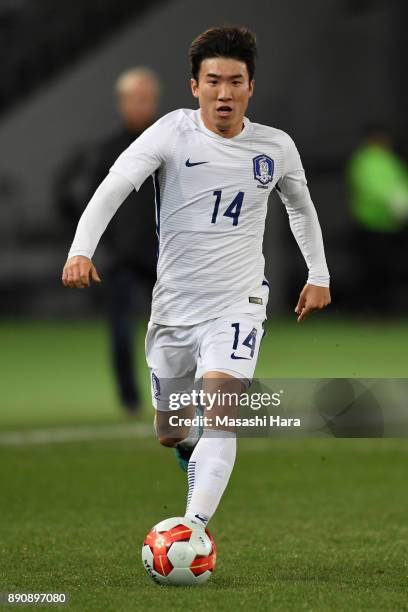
{"points": [[209, 470]]}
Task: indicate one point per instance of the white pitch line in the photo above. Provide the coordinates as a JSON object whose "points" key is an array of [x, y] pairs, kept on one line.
{"points": [[60, 435], [76, 434]]}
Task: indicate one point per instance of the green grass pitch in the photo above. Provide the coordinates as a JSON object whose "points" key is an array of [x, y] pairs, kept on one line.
{"points": [[317, 524]]}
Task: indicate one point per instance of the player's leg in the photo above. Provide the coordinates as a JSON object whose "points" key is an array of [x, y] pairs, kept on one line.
{"points": [[171, 357], [213, 458], [231, 347]]}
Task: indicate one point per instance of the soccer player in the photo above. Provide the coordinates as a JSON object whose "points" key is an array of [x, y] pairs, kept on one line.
{"points": [[213, 171]]}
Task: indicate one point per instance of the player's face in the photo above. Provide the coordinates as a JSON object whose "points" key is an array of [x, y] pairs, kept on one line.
{"points": [[223, 90]]}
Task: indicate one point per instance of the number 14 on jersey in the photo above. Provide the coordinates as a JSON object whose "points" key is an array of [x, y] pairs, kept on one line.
{"points": [[234, 209]]}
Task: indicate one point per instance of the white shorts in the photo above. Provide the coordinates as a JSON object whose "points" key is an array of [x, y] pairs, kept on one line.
{"points": [[179, 356]]}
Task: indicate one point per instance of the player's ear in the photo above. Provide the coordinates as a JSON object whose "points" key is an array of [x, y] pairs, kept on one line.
{"points": [[251, 87], [194, 87]]}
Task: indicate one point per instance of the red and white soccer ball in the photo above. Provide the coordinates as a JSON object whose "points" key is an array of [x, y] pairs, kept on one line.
{"points": [[179, 552]]}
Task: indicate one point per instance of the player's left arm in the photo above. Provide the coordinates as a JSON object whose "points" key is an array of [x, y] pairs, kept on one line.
{"points": [[304, 223]]}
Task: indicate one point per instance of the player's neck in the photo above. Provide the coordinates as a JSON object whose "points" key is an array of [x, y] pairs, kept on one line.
{"points": [[228, 133]]}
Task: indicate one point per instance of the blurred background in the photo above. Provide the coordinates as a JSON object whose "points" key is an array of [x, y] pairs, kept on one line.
{"points": [[82, 476], [330, 72]]}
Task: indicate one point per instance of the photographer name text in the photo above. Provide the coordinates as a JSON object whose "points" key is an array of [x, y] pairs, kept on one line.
{"points": [[222, 421]]}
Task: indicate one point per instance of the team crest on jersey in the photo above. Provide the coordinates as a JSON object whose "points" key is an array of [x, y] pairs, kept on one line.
{"points": [[263, 169]]}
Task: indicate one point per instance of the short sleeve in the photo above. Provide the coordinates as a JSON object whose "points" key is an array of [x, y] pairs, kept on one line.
{"points": [[148, 152]]}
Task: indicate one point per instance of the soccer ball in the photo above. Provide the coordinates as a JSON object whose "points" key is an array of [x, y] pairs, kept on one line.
{"points": [[179, 552]]}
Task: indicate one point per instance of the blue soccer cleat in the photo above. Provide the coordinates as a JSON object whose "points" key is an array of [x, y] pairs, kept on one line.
{"points": [[183, 454]]}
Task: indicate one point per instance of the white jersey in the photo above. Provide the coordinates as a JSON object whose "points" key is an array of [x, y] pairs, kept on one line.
{"points": [[211, 204]]}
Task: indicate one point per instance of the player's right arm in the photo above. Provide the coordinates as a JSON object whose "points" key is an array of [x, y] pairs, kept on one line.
{"points": [[130, 170], [79, 270]]}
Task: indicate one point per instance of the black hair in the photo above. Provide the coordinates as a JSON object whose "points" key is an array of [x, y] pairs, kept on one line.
{"points": [[226, 41]]}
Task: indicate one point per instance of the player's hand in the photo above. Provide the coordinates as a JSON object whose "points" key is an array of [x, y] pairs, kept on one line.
{"points": [[312, 298], [78, 272]]}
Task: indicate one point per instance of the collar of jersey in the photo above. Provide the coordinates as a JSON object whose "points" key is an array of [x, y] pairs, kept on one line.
{"points": [[243, 133]]}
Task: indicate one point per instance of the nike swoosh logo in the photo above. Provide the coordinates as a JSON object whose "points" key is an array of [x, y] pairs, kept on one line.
{"points": [[233, 356], [189, 164]]}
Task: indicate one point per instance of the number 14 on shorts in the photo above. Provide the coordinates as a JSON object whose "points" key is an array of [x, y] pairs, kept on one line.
{"points": [[250, 342]]}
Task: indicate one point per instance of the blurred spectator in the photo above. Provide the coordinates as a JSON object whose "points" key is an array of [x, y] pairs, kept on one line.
{"points": [[130, 238], [378, 183]]}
